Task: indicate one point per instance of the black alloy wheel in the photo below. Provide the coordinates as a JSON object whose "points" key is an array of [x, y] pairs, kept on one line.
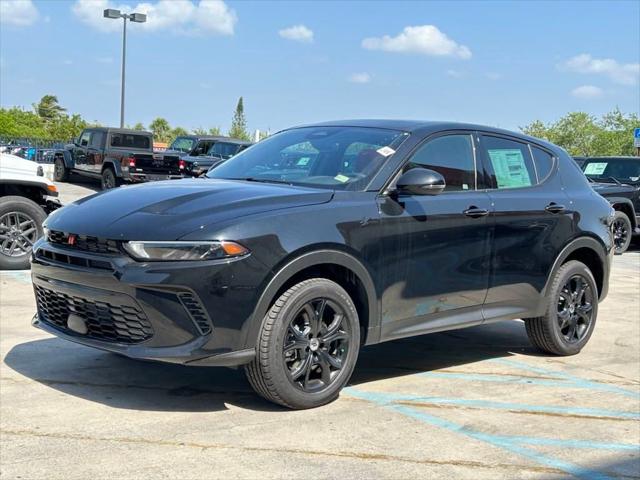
{"points": [[575, 309], [621, 228]]}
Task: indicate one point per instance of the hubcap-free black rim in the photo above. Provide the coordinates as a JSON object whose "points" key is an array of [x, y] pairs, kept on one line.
{"points": [[316, 345], [620, 233], [575, 308], [107, 181], [18, 232]]}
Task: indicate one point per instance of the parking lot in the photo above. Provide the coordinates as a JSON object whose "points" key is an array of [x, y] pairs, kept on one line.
{"points": [[474, 403]]}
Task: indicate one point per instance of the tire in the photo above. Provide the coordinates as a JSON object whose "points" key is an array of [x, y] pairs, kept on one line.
{"points": [[622, 231], [15, 211], [60, 171], [109, 179], [547, 332], [272, 373]]}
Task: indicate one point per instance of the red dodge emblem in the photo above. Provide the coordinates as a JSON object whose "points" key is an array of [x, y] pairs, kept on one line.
{"points": [[71, 239]]}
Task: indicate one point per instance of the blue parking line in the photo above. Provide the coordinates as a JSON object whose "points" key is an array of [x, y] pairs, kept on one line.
{"points": [[504, 443], [587, 444], [521, 407], [516, 379], [576, 381]]}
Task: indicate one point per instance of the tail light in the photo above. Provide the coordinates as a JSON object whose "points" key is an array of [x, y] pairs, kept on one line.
{"points": [[181, 164], [132, 162]]}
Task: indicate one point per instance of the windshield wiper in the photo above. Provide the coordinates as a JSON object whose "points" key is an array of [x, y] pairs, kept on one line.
{"points": [[615, 180], [262, 180]]}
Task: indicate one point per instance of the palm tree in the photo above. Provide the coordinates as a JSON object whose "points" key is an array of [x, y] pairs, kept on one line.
{"points": [[48, 108]]}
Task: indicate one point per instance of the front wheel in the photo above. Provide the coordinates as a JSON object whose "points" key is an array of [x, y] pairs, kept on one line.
{"points": [[572, 308], [20, 226], [621, 232], [308, 346]]}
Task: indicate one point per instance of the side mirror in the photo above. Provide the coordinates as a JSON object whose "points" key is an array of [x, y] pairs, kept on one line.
{"points": [[421, 181], [84, 143]]}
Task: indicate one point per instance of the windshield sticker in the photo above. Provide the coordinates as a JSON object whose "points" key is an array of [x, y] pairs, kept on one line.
{"points": [[634, 179], [303, 161], [511, 170], [341, 178], [386, 151], [595, 168]]}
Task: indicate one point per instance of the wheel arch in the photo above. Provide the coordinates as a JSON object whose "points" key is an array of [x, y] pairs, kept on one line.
{"points": [[113, 164], [625, 206], [66, 157], [336, 265]]}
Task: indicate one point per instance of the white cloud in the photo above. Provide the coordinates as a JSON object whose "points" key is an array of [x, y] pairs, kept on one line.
{"points": [[625, 74], [587, 92], [361, 77], [181, 16], [20, 13], [423, 39], [298, 33]]}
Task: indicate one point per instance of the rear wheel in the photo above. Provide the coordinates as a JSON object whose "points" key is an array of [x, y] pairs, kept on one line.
{"points": [[621, 232], [572, 308], [20, 226], [60, 171], [109, 179], [308, 346]]}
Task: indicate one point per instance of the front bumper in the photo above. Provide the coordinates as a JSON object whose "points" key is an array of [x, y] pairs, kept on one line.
{"points": [[180, 312]]}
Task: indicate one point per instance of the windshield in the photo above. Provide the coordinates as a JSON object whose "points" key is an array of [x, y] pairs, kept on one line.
{"points": [[612, 169], [223, 150], [183, 144], [341, 158]]}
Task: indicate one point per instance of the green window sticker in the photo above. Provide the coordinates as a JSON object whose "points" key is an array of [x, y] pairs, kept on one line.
{"points": [[595, 168], [511, 170], [303, 161], [341, 178]]}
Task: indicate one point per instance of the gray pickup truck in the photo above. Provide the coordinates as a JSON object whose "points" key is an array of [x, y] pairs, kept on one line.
{"points": [[200, 153], [115, 156]]}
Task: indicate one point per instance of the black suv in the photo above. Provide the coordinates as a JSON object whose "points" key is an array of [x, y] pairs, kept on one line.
{"points": [[200, 154], [290, 256], [618, 180]]}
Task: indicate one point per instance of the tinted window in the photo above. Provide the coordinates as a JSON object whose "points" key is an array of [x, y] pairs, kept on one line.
{"points": [[452, 157], [183, 144], [544, 162], [606, 169], [96, 139], [223, 149], [324, 157], [511, 162], [130, 140], [84, 139]]}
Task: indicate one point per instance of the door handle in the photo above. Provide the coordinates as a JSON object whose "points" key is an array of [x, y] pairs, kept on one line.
{"points": [[475, 212], [553, 207]]}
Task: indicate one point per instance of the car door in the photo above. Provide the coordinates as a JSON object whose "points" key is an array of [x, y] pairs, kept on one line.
{"points": [[435, 248], [533, 219], [80, 150], [94, 151]]}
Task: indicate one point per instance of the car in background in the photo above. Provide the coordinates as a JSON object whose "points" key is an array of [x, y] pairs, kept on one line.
{"points": [[319, 239], [618, 180], [115, 156], [26, 197], [200, 153]]}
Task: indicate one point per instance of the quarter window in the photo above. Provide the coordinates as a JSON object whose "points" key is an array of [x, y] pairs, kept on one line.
{"points": [[544, 162], [452, 157], [510, 161]]}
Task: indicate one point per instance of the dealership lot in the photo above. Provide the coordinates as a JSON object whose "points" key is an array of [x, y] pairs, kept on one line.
{"points": [[475, 403]]}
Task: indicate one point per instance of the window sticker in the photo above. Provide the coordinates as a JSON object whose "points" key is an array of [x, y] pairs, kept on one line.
{"points": [[511, 170], [303, 161], [341, 178], [386, 151], [595, 168]]}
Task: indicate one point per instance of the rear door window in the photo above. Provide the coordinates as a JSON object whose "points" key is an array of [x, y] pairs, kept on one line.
{"points": [[510, 162]]}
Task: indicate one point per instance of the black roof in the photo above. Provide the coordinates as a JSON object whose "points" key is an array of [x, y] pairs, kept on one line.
{"points": [[217, 138], [119, 130]]}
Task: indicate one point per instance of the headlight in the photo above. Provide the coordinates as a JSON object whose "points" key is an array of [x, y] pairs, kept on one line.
{"points": [[184, 251]]}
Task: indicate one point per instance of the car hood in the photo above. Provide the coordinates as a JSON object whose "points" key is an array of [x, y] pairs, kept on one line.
{"points": [[171, 209], [612, 189]]}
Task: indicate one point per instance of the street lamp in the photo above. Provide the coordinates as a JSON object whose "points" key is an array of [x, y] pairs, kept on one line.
{"points": [[133, 17]]}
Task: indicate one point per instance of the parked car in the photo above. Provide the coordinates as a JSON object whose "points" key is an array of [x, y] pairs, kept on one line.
{"points": [[25, 200], [200, 153], [292, 254], [618, 180], [115, 155]]}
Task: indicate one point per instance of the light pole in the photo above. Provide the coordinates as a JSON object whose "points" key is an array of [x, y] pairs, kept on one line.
{"points": [[133, 17]]}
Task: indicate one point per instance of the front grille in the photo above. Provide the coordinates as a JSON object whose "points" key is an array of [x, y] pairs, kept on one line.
{"points": [[84, 242], [104, 321], [43, 254], [196, 311]]}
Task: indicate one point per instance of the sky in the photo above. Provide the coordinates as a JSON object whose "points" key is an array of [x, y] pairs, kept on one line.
{"points": [[503, 63]]}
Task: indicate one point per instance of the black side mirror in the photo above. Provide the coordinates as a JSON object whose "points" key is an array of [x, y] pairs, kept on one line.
{"points": [[420, 181]]}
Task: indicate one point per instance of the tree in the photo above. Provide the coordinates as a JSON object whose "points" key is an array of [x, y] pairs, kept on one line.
{"points": [[214, 131], [161, 129], [139, 126], [582, 134], [178, 132], [48, 108], [239, 123]]}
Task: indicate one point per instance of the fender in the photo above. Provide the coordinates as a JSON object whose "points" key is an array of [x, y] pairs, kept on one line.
{"points": [[113, 162], [627, 203], [319, 257], [581, 242], [67, 158]]}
